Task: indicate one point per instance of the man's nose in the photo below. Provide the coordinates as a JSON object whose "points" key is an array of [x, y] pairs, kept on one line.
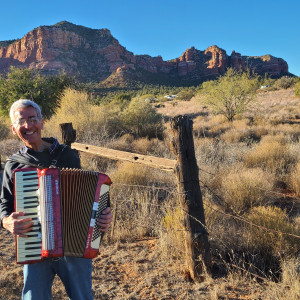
{"points": [[27, 124]]}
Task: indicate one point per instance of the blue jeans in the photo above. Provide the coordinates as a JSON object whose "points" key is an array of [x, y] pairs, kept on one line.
{"points": [[75, 273]]}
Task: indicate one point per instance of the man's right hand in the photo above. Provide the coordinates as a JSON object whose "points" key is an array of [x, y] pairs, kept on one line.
{"points": [[17, 226]]}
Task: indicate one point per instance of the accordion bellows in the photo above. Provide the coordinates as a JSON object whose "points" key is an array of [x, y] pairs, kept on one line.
{"points": [[64, 205]]}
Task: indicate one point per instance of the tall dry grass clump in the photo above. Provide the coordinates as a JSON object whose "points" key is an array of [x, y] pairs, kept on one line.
{"points": [[294, 179], [244, 188], [289, 286], [272, 154], [272, 237], [172, 231], [137, 194]]}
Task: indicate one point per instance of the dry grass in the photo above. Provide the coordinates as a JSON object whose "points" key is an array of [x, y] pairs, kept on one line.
{"points": [[274, 241], [175, 108], [272, 154], [244, 188], [8, 147], [294, 180]]}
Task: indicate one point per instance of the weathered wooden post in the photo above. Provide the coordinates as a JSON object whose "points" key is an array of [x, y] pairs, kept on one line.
{"points": [[68, 133], [196, 237]]}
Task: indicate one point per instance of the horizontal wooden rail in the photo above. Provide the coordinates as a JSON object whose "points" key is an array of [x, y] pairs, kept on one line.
{"points": [[150, 161]]}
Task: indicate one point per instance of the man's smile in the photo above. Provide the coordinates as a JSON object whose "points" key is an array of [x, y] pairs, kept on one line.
{"points": [[29, 132]]}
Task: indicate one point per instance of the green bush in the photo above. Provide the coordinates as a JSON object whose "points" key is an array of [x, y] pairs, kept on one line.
{"points": [[284, 82], [186, 95], [141, 119], [30, 84], [231, 93]]}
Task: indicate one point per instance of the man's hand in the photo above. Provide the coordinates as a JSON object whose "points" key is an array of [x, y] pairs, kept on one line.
{"points": [[17, 226], [104, 219]]}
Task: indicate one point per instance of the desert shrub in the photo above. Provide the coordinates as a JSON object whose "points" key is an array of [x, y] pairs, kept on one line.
{"points": [[271, 154], [141, 119], [284, 82], [231, 93], [290, 132], [215, 154], [75, 107], [121, 100], [271, 237], [235, 136], [244, 188], [247, 134], [186, 95], [297, 89], [4, 128]]}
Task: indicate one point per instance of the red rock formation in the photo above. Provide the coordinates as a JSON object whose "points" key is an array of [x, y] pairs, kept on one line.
{"points": [[236, 61], [217, 59], [95, 55], [267, 64]]}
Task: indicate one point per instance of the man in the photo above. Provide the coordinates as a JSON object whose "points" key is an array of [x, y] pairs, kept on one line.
{"points": [[75, 273]]}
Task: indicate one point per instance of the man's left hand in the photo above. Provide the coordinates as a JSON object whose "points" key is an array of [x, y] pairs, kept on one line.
{"points": [[104, 219]]}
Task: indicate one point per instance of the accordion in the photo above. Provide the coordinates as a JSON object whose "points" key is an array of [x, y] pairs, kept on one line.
{"points": [[64, 205]]}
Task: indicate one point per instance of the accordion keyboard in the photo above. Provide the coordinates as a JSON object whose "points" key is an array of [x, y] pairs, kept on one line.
{"points": [[26, 189]]}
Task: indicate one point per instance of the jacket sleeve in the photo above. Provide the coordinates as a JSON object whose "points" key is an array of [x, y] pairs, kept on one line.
{"points": [[7, 197]]}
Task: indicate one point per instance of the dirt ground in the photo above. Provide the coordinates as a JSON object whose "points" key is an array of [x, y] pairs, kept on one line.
{"points": [[128, 270]]}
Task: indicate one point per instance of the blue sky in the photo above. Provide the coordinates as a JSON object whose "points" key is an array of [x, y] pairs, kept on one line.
{"points": [[169, 27]]}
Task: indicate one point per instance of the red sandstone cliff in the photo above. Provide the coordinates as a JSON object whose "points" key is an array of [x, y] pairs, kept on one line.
{"points": [[95, 55]]}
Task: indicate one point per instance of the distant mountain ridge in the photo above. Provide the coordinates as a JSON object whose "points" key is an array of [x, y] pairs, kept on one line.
{"points": [[95, 55]]}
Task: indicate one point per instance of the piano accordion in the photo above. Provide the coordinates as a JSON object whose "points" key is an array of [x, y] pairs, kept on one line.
{"points": [[64, 205]]}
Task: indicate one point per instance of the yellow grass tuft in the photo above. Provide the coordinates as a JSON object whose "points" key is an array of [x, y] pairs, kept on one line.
{"points": [[244, 188], [271, 238], [272, 154]]}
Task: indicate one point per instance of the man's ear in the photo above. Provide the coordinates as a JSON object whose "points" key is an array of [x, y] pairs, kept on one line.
{"points": [[42, 124], [13, 129]]}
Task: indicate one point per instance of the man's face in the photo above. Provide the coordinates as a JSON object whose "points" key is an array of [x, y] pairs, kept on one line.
{"points": [[30, 131]]}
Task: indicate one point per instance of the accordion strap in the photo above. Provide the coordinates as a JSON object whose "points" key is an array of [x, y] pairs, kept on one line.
{"points": [[29, 160]]}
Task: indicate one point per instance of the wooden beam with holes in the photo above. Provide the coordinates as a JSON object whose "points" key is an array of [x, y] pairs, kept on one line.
{"points": [[150, 161]]}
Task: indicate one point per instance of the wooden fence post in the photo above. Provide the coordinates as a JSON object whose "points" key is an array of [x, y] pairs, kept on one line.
{"points": [[68, 133], [196, 237]]}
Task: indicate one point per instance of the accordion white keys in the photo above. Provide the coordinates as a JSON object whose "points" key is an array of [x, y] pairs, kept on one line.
{"points": [[64, 205]]}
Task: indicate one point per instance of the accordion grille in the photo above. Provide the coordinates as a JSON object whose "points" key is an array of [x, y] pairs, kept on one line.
{"points": [[78, 189]]}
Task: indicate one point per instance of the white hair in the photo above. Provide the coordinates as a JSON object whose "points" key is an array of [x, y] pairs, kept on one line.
{"points": [[22, 103]]}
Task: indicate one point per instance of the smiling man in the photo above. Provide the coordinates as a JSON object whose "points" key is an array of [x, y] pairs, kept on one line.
{"points": [[75, 273]]}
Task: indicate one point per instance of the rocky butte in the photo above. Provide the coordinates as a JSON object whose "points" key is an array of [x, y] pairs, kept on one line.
{"points": [[94, 54]]}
